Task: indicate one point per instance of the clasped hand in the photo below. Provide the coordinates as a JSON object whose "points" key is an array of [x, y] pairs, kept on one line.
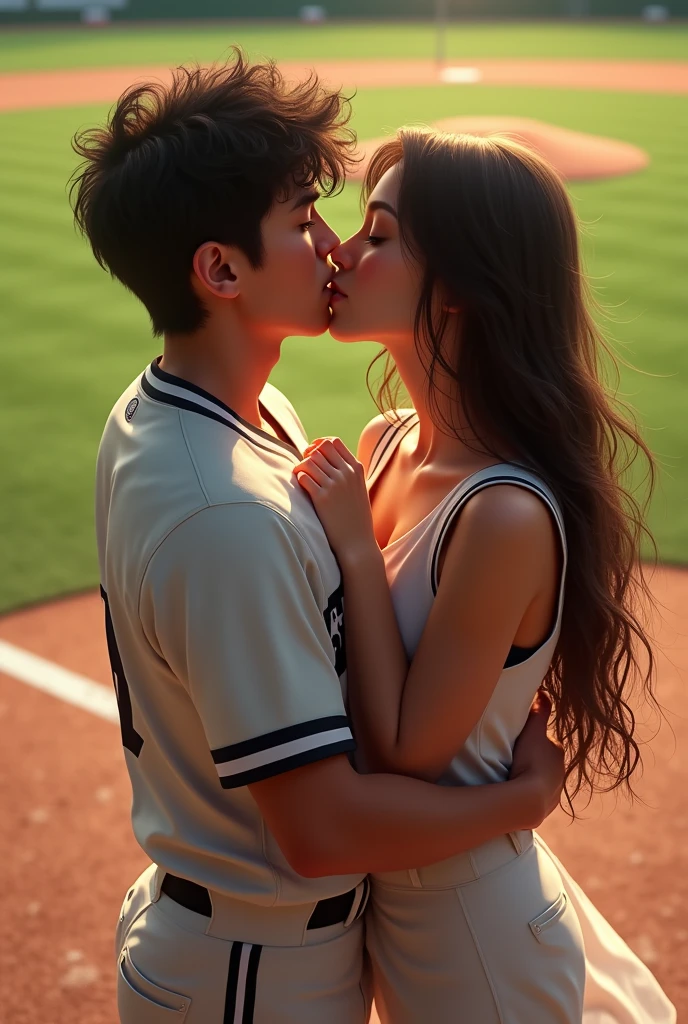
{"points": [[334, 480]]}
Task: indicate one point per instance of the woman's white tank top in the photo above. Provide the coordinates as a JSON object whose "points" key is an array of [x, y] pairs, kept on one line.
{"points": [[411, 563]]}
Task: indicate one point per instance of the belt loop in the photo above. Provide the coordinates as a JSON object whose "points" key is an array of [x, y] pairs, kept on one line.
{"points": [[415, 878], [516, 840], [360, 900], [155, 882]]}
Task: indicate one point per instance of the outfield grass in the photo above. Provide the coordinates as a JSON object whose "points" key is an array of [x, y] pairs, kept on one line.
{"points": [[73, 339], [144, 44]]}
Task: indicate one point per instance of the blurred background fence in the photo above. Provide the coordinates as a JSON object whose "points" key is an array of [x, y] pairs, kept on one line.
{"points": [[27, 11]]}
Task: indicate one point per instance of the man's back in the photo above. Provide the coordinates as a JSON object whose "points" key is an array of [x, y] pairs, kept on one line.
{"points": [[226, 675]]}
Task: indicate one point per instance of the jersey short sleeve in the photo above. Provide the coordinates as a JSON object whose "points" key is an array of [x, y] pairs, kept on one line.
{"points": [[233, 601]]}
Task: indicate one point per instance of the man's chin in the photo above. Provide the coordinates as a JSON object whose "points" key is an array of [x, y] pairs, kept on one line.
{"points": [[329, 321], [339, 332], [312, 329]]}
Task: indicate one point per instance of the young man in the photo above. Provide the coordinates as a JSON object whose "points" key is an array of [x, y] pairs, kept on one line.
{"points": [[223, 602]]}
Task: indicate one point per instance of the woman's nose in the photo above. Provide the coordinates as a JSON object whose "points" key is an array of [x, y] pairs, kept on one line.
{"points": [[342, 256]]}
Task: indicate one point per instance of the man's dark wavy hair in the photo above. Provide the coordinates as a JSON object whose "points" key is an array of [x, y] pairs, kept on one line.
{"points": [[201, 159]]}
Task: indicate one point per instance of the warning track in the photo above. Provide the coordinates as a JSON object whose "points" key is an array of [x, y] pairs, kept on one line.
{"points": [[26, 90]]}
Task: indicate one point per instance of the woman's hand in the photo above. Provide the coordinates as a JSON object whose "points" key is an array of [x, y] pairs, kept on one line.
{"points": [[335, 482]]}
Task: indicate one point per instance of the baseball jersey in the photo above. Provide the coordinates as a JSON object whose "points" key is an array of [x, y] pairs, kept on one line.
{"points": [[225, 627]]}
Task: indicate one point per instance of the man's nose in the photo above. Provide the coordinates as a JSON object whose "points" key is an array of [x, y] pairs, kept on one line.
{"points": [[327, 241]]}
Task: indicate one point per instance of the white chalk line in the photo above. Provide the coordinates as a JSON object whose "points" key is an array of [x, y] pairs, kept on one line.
{"points": [[58, 682]]}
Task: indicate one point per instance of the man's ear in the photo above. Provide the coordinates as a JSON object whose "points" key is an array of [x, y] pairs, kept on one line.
{"points": [[217, 270]]}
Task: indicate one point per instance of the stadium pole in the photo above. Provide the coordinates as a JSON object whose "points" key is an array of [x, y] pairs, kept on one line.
{"points": [[441, 24]]}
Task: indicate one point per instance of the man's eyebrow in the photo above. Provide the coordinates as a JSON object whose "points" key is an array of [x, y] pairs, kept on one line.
{"points": [[377, 204], [306, 199]]}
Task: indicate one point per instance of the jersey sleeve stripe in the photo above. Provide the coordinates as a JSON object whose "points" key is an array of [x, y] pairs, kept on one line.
{"points": [[287, 763], [270, 740], [283, 752]]}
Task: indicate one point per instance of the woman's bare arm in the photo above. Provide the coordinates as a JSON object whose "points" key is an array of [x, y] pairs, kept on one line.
{"points": [[376, 660], [500, 556], [329, 820], [377, 665]]}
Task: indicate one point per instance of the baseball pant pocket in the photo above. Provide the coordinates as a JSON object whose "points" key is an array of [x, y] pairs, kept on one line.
{"points": [[135, 903], [543, 926], [141, 1001]]}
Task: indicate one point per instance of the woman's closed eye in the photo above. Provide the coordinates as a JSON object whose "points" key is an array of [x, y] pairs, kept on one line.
{"points": [[374, 236]]}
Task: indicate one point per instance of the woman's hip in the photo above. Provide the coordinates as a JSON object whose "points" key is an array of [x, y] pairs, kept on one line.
{"points": [[502, 948]]}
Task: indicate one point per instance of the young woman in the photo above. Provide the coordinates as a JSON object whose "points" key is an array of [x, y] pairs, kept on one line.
{"points": [[502, 551]]}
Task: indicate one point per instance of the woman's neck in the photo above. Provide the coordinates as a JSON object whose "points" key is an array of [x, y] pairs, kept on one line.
{"points": [[443, 447]]}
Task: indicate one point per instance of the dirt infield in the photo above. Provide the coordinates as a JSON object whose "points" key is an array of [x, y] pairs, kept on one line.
{"points": [[68, 852], [577, 156], [25, 90]]}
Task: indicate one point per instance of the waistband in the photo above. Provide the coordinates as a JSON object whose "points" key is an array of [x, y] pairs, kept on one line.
{"points": [[233, 919], [332, 910], [463, 868]]}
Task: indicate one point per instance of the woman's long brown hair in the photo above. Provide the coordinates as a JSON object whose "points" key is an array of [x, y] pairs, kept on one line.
{"points": [[493, 229]]}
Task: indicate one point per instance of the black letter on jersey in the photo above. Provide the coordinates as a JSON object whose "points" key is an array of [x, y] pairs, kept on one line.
{"points": [[130, 738], [334, 620]]}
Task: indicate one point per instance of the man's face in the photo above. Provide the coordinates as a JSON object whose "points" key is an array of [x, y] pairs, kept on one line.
{"points": [[288, 293]]}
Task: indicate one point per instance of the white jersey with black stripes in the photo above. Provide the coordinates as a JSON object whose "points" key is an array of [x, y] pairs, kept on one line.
{"points": [[225, 627]]}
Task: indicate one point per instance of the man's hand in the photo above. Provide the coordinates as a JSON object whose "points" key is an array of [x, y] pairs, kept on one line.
{"points": [[539, 760]]}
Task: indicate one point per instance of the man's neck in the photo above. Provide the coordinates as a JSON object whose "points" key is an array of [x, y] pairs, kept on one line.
{"points": [[235, 369]]}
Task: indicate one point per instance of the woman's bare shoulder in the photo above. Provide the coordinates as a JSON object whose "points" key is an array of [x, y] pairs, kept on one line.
{"points": [[504, 529], [372, 433]]}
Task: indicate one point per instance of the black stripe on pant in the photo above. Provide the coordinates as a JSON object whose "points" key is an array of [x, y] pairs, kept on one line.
{"points": [[240, 1004]]}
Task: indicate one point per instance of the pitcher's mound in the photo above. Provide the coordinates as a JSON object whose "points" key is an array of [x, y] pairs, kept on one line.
{"points": [[577, 156]]}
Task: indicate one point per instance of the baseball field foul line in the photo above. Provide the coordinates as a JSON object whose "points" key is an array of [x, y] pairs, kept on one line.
{"points": [[59, 682]]}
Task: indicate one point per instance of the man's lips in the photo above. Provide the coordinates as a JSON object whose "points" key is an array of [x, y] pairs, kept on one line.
{"points": [[337, 291]]}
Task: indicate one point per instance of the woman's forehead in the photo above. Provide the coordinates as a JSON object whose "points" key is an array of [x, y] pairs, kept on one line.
{"points": [[387, 188]]}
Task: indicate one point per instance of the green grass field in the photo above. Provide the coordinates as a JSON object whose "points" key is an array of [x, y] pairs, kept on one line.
{"points": [[72, 339], [145, 44]]}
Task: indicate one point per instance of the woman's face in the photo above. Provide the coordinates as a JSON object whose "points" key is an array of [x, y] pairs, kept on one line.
{"points": [[376, 291]]}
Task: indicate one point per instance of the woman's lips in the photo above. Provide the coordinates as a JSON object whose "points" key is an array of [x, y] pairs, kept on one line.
{"points": [[336, 293]]}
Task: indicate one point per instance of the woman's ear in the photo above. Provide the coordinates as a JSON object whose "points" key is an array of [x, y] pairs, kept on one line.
{"points": [[215, 268]]}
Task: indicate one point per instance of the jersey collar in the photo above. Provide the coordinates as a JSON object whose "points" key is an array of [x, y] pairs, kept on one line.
{"points": [[170, 390]]}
